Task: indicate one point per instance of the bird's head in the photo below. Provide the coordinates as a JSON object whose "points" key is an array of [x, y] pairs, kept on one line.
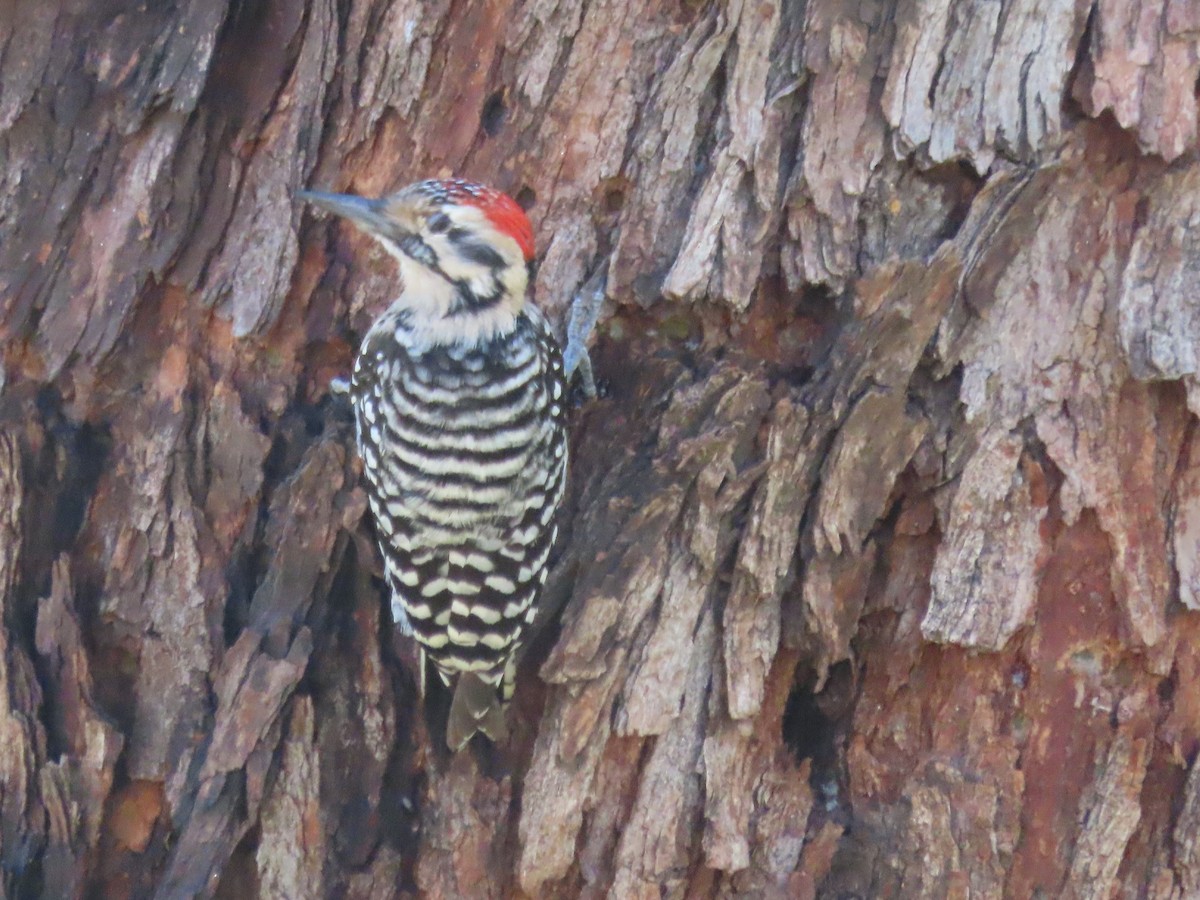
{"points": [[465, 253]]}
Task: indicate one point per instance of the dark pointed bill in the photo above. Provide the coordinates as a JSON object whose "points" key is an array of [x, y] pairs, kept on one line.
{"points": [[365, 213]]}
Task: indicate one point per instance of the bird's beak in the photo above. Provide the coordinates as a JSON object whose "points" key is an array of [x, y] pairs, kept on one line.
{"points": [[366, 214]]}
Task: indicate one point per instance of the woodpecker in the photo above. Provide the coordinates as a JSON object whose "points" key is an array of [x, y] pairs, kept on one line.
{"points": [[459, 403]]}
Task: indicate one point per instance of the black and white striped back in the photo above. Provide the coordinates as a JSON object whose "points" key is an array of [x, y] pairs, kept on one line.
{"points": [[465, 452]]}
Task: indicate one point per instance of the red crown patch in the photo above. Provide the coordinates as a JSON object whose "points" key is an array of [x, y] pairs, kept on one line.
{"points": [[501, 209]]}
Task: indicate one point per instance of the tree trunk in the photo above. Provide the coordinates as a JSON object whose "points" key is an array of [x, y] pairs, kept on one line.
{"points": [[882, 545]]}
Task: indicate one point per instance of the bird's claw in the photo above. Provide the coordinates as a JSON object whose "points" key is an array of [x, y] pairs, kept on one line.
{"points": [[585, 311]]}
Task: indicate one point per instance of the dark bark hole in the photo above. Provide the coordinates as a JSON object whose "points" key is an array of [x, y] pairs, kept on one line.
{"points": [[241, 871], [526, 198], [813, 721], [806, 730], [1082, 68], [23, 869], [88, 452], [298, 429], [1141, 211], [614, 199], [963, 185], [494, 113], [1166, 690], [83, 449]]}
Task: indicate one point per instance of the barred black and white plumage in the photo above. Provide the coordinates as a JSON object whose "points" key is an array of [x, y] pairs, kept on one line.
{"points": [[464, 451], [459, 399]]}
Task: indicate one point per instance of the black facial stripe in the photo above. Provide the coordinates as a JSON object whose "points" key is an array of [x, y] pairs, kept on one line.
{"points": [[412, 245], [481, 254], [465, 300], [472, 250]]}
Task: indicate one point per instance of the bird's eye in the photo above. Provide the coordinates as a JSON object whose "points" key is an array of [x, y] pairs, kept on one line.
{"points": [[438, 223]]}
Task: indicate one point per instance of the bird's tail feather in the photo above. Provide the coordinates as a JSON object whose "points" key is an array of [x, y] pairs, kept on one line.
{"points": [[476, 707]]}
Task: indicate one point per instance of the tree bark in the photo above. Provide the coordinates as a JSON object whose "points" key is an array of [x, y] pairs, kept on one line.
{"points": [[882, 546]]}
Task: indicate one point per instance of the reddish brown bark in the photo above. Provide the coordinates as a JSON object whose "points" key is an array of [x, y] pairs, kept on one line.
{"points": [[880, 567]]}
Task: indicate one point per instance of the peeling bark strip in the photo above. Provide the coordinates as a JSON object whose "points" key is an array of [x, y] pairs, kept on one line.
{"points": [[882, 565], [763, 569], [983, 588], [1143, 63]]}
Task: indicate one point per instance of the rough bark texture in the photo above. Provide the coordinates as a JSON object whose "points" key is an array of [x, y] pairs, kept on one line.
{"points": [[882, 548]]}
